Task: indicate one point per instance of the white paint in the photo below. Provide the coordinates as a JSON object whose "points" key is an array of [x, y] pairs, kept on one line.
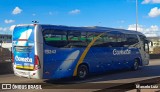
{"points": [[25, 35], [69, 60]]}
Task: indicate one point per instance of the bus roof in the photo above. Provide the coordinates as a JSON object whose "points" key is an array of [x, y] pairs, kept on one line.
{"points": [[94, 28]]}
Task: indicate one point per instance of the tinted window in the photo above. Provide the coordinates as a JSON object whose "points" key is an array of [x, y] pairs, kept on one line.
{"points": [[131, 39], [76, 39], [56, 38], [99, 42], [110, 40], [74, 36], [90, 36]]}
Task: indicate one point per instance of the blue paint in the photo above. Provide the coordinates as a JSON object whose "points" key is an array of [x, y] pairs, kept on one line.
{"points": [[23, 51]]}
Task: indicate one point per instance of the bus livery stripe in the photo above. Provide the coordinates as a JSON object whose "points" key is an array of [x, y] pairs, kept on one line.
{"points": [[85, 53], [22, 39], [24, 67]]}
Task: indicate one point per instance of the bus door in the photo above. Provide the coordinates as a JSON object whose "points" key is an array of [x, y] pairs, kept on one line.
{"points": [[23, 49], [144, 50]]}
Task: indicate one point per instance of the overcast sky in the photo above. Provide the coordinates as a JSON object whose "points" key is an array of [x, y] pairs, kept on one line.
{"points": [[107, 13]]}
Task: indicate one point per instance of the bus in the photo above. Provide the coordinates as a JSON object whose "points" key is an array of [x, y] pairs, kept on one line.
{"points": [[55, 51]]}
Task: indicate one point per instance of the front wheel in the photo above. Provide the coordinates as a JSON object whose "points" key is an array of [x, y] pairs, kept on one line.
{"points": [[82, 72], [135, 65]]}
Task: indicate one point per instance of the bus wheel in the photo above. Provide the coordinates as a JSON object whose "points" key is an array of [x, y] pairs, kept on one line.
{"points": [[82, 72], [135, 65]]}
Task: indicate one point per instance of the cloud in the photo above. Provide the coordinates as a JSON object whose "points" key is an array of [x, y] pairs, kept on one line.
{"points": [[76, 11], [33, 14], [150, 1], [9, 21], [146, 1], [12, 27], [50, 13], [133, 27], [121, 21], [4, 28], [155, 1], [154, 12], [152, 31], [16, 10]]}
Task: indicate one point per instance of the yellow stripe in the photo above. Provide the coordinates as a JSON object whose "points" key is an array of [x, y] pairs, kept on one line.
{"points": [[18, 66], [85, 53], [25, 67]]}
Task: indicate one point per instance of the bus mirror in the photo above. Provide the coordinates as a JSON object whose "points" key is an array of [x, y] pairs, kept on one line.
{"points": [[147, 41], [151, 43]]}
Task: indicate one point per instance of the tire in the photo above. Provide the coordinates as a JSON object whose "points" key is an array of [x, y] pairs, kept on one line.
{"points": [[135, 65], [82, 72]]}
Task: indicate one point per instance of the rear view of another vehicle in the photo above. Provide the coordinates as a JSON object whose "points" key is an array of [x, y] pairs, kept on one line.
{"points": [[25, 62]]}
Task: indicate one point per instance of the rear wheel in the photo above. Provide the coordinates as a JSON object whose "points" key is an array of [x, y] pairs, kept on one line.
{"points": [[82, 72], [135, 65]]}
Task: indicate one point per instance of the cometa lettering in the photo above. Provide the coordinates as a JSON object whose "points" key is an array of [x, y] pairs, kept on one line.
{"points": [[23, 59], [121, 52]]}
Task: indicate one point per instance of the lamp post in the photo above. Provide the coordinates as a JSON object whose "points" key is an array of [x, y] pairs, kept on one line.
{"points": [[136, 14]]}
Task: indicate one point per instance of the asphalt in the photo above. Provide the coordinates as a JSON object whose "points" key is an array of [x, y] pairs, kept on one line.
{"points": [[93, 83]]}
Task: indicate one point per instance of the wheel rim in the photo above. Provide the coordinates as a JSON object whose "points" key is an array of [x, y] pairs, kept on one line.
{"points": [[135, 65], [82, 73]]}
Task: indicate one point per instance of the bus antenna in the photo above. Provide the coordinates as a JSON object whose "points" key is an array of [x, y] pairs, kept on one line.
{"points": [[35, 22]]}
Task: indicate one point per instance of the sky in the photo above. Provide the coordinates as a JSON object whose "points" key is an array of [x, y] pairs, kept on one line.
{"points": [[107, 13]]}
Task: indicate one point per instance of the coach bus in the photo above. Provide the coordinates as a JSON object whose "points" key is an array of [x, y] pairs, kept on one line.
{"points": [[55, 51]]}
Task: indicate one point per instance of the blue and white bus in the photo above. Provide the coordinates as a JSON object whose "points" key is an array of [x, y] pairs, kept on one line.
{"points": [[55, 51]]}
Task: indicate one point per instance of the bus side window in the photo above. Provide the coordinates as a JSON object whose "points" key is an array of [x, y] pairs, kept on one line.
{"points": [[74, 36], [131, 40], [90, 37], [100, 41], [83, 36], [55, 38], [109, 40], [121, 39], [83, 39], [76, 39]]}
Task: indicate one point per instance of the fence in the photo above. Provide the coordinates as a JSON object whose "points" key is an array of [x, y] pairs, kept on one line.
{"points": [[5, 55]]}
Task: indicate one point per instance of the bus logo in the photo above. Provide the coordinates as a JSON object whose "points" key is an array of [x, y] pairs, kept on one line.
{"points": [[23, 59], [121, 52], [6, 86]]}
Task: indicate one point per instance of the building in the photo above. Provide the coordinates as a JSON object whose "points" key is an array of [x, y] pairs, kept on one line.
{"points": [[156, 44], [6, 41], [5, 47], [5, 38]]}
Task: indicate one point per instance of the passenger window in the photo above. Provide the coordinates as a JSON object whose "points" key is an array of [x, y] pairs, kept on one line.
{"points": [[109, 40], [83, 36], [55, 38], [76, 39], [74, 36], [99, 42], [132, 40], [90, 36]]}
